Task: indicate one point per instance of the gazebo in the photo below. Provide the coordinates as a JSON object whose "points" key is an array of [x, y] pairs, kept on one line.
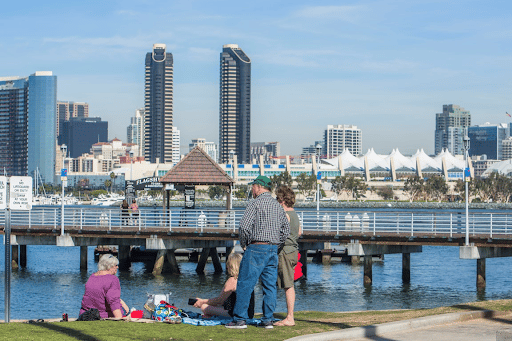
{"points": [[195, 169]]}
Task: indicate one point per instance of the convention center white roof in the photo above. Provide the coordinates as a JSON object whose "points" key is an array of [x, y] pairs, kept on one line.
{"points": [[382, 163]]}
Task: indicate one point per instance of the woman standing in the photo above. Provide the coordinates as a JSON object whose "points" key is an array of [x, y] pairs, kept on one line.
{"points": [[288, 256], [103, 290], [124, 212]]}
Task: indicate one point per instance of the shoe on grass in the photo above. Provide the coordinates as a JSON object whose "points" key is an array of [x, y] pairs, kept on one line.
{"points": [[266, 324], [236, 324]]}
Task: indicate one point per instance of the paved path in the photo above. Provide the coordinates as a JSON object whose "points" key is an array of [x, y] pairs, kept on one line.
{"points": [[473, 330], [469, 326]]}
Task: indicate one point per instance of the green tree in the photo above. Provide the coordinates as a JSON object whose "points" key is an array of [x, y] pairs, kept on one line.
{"points": [[436, 187], [386, 192], [108, 183], [283, 179], [241, 192], [306, 184], [414, 187], [349, 184], [215, 192]]}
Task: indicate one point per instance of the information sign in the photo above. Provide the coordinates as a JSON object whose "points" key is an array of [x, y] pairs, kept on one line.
{"points": [[190, 197], [3, 192], [20, 193]]}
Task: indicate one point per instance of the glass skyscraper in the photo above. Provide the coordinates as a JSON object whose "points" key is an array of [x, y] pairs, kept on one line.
{"points": [[450, 125], [28, 124], [13, 126], [487, 139], [158, 102], [235, 105], [42, 124]]}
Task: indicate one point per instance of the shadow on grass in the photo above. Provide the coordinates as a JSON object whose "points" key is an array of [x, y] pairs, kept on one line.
{"points": [[488, 314], [64, 330], [370, 332]]}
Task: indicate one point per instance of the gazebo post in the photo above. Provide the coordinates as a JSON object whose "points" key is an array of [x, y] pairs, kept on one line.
{"points": [[229, 205]]}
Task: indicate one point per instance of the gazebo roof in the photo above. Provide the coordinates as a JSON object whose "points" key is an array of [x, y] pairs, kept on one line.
{"points": [[197, 168]]}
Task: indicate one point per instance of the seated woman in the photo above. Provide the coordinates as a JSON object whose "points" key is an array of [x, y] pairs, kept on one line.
{"points": [[223, 304], [103, 291]]}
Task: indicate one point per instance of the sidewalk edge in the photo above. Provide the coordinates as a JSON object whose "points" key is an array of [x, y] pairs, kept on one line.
{"points": [[375, 330]]}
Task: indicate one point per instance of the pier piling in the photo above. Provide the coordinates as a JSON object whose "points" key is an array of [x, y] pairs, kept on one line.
{"points": [[14, 257], [124, 257], [406, 268], [368, 262], [23, 256], [83, 258], [171, 258], [480, 273]]}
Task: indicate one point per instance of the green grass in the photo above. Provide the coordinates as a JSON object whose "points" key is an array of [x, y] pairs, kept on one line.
{"points": [[306, 323]]}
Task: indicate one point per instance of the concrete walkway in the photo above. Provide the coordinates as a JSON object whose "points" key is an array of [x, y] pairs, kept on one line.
{"points": [[469, 326]]}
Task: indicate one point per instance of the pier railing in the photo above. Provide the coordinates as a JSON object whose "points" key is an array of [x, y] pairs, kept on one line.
{"points": [[333, 221]]}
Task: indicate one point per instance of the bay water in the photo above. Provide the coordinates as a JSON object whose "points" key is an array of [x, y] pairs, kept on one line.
{"points": [[52, 283]]}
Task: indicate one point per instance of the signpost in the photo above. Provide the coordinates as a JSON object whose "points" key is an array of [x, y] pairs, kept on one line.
{"points": [[19, 197]]}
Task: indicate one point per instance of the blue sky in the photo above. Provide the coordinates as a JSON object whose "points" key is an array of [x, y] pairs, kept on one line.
{"points": [[384, 66]]}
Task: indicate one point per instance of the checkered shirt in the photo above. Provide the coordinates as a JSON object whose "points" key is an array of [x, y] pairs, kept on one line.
{"points": [[264, 220]]}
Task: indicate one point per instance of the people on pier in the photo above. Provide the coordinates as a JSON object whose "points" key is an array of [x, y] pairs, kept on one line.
{"points": [[288, 256], [263, 229], [135, 212], [125, 213], [224, 304], [103, 290]]}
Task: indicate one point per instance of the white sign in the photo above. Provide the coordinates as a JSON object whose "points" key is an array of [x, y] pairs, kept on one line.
{"points": [[3, 192], [20, 193]]}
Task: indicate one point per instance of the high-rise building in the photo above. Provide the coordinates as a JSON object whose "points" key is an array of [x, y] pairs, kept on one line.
{"points": [[42, 124], [268, 150], [176, 155], [66, 110], [80, 133], [339, 137], [307, 152], [209, 147], [13, 126], [235, 104], [450, 125], [487, 139], [158, 101], [135, 131]]}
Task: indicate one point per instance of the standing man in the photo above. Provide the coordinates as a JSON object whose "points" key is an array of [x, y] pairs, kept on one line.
{"points": [[263, 230]]}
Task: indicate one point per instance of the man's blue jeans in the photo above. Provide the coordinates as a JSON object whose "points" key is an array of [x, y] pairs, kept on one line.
{"points": [[259, 261]]}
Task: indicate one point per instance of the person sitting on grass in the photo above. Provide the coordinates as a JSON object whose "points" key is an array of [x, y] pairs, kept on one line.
{"points": [[223, 304], [103, 290]]}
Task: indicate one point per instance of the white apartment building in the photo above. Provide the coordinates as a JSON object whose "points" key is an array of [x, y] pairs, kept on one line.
{"points": [[339, 137], [176, 156], [209, 147], [135, 131]]}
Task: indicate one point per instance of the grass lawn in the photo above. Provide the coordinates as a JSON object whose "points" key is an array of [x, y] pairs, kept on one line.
{"points": [[306, 323]]}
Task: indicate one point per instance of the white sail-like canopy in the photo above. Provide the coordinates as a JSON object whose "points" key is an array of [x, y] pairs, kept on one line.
{"points": [[426, 162], [401, 162], [375, 162]]}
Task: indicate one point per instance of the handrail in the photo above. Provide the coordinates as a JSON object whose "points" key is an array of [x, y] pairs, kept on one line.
{"points": [[332, 221]]}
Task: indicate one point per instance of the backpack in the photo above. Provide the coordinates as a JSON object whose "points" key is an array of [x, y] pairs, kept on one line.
{"points": [[89, 315]]}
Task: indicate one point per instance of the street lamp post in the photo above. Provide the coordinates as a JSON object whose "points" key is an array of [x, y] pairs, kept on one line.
{"points": [[64, 150], [318, 148], [467, 177]]}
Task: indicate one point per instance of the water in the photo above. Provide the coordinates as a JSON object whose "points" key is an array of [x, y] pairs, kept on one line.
{"points": [[52, 283]]}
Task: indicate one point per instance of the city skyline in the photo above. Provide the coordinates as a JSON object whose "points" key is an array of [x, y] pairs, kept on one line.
{"points": [[381, 66]]}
